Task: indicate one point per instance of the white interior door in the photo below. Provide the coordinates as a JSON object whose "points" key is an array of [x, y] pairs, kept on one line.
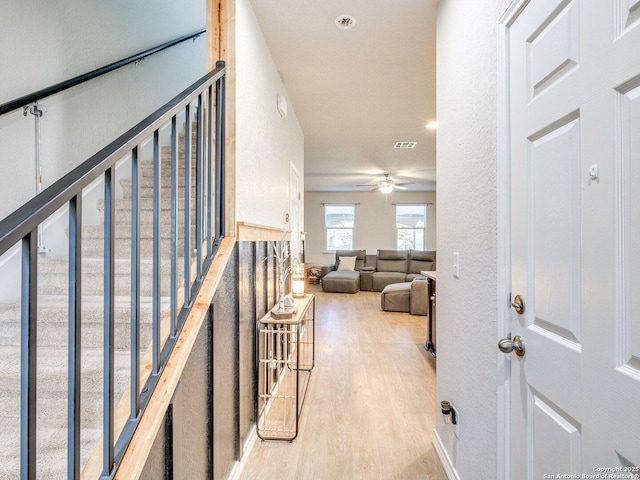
{"points": [[574, 150]]}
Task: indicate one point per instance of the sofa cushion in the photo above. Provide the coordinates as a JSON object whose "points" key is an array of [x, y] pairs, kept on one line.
{"points": [[420, 260], [341, 282], [347, 264], [392, 261], [359, 254], [382, 279]]}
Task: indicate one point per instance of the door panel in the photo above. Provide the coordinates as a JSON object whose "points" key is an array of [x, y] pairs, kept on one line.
{"points": [[557, 441], [629, 15], [574, 152], [554, 176], [553, 48], [630, 168]]}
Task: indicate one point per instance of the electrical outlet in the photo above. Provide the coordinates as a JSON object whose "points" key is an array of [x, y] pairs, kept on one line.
{"points": [[456, 264], [456, 427]]}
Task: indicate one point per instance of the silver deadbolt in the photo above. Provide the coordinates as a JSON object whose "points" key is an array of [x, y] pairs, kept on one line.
{"points": [[518, 304], [507, 345]]}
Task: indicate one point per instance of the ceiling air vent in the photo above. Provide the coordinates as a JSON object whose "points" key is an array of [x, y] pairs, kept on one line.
{"points": [[405, 144], [345, 22]]}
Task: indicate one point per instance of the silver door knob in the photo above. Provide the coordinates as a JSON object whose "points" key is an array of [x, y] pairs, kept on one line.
{"points": [[507, 345]]}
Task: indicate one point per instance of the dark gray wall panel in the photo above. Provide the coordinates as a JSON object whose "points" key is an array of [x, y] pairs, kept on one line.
{"points": [[214, 407], [226, 438], [192, 413], [261, 280], [155, 467], [247, 267], [271, 275]]}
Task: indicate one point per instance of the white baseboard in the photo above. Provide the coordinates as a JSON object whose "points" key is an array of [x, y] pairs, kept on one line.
{"points": [[238, 467], [444, 457]]}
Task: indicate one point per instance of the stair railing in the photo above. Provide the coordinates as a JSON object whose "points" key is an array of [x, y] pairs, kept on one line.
{"points": [[30, 103], [208, 95]]}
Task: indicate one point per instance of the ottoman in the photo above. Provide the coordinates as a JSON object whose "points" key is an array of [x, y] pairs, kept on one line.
{"points": [[395, 297]]}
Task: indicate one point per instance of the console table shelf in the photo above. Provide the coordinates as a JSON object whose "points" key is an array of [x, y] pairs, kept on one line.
{"points": [[286, 351]]}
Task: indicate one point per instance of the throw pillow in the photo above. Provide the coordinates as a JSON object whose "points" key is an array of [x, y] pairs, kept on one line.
{"points": [[347, 264]]}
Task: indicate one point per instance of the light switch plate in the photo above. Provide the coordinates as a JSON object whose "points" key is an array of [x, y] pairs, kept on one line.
{"points": [[456, 264]]}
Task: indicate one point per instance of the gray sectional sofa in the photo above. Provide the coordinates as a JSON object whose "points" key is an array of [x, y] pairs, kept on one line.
{"points": [[375, 272]]}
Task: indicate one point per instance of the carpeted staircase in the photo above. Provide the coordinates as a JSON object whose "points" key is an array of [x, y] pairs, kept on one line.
{"points": [[53, 326]]}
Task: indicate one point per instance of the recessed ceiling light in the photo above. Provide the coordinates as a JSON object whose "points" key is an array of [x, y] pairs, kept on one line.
{"points": [[432, 125], [345, 22], [405, 145]]}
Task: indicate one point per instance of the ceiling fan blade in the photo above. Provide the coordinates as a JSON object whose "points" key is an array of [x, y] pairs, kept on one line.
{"points": [[398, 187], [405, 183], [375, 185]]}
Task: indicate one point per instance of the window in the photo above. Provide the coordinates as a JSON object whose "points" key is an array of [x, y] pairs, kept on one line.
{"points": [[410, 224], [338, 222]]}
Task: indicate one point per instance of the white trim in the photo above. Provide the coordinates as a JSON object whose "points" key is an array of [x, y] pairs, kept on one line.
{"points": [[447, 464], [503, 321], [238, 467], [504, 233]]}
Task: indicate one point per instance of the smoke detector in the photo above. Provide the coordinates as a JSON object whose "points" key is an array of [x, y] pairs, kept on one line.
{"points": [[345, 22]]}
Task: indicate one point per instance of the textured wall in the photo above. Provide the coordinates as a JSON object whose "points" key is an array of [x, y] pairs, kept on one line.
{"points": [[265, 141], [467, 332], [46, 43], [375, 225]]}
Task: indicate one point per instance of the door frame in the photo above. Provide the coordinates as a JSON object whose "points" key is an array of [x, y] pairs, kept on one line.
{"points": [[293, 171], [503, 175]]}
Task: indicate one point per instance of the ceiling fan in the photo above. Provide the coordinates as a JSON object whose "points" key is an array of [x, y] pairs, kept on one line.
{"points": [[386, 186]]}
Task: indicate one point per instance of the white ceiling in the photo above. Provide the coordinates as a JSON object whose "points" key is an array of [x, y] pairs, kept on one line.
{"points": [[357, 92]]}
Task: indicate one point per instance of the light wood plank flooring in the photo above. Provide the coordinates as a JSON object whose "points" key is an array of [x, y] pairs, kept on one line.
{"points": [[370, 406]]}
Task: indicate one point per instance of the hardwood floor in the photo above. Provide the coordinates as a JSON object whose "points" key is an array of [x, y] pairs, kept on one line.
{"points": [[369, 410]]}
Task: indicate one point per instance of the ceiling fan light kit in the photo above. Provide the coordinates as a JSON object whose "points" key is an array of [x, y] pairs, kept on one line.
{"points": [[386, 186]]}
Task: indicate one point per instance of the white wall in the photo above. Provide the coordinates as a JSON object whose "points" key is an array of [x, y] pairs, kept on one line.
{"points": [[467, 192], [48, 42], [266, 142], [375, 224]]}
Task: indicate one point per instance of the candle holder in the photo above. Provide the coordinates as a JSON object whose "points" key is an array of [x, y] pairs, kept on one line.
{"points": [[297, 280]]}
